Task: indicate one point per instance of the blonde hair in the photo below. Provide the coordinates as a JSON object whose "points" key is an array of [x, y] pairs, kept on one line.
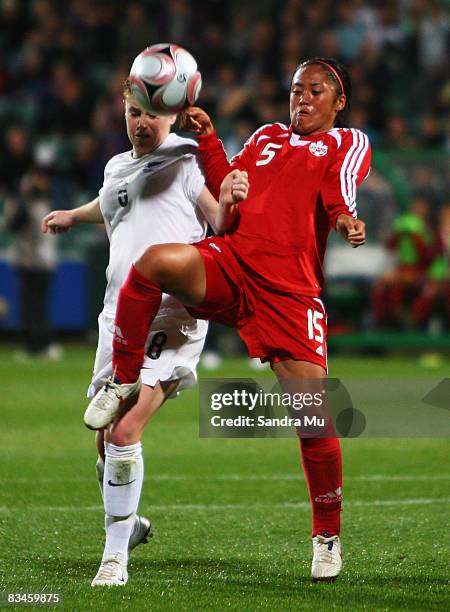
{"points": [[126, 88]]}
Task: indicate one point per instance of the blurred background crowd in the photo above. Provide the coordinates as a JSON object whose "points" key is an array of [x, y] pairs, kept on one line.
{"points": [[62, 66]]}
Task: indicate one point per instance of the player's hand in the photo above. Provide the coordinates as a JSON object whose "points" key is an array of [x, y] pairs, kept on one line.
{"points": [[58, 222], [352, 230], [234, 187], [194, 119]]}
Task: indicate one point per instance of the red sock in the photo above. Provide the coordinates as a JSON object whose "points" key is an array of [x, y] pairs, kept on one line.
{"points": [[323, 471], [138, 303]]}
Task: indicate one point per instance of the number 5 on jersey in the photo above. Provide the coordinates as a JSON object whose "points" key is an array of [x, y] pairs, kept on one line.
{"points": [[269, 153]]}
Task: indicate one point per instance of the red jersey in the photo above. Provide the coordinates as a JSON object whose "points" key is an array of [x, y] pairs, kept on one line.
{"points": [[299, 185]]}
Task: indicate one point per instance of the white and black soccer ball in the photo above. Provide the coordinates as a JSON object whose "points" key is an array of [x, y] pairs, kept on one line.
{"points": [[164, 79]]}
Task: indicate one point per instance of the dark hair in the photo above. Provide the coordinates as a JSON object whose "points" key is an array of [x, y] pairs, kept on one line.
{"points": [[330, 67]]}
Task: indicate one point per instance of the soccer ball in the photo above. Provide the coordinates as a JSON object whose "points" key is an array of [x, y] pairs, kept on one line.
{"points": [[164, 79]]}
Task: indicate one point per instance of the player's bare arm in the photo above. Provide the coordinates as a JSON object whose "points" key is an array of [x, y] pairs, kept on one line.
{"points": [[60, 221], [194, 119], [223, 216], [233, 190], [352, 230]]}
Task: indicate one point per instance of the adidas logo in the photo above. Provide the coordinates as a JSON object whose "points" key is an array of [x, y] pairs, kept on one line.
{"points": [[331, 497], [118, 335]]}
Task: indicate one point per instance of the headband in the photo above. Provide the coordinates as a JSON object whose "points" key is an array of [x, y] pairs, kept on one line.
{"points": [[338, 78]]}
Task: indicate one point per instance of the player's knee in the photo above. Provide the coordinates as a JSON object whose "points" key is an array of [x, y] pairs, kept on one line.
{"points": [[158, 263], [124, 434]]}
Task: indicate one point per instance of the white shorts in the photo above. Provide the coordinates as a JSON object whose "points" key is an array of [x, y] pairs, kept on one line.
{"points": [[173, 350]]}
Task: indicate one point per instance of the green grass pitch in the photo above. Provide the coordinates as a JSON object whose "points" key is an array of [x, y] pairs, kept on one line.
{"points": [[231, 516]]}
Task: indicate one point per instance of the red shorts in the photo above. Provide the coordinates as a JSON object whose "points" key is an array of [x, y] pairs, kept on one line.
{"points": [[274, 326]]}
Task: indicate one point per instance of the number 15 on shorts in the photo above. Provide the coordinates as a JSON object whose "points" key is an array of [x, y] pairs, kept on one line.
{"points": [[315, 328]]}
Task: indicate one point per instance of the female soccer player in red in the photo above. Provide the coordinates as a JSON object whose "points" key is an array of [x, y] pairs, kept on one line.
{"points": [[265, 274]]}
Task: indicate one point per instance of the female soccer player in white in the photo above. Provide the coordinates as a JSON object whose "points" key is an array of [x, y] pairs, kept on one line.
{"points": [[153, 194]]}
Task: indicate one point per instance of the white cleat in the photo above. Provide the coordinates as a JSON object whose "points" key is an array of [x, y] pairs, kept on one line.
{"points": [[142, 530], [112, 572], [104, 406], [327, 558]]}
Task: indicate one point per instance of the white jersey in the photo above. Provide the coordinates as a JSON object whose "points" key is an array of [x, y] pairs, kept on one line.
{"points": [[146, 201]]}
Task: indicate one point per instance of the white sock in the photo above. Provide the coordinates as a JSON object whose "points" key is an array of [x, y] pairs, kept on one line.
{"points": [[118, 535], [100, 471], [122, 482], [122, 485]]}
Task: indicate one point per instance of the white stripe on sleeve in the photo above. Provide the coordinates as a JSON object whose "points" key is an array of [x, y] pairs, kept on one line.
{"points": [[350, 168]]}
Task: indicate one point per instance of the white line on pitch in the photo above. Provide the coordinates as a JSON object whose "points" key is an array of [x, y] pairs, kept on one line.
{"points": [[419, 501]]}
